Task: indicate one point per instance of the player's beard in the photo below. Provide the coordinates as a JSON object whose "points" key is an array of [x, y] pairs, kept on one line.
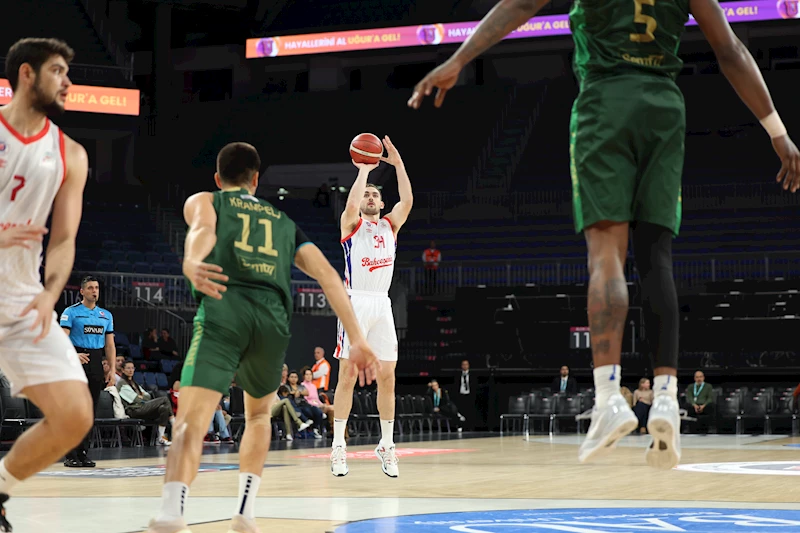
{"points": [[48, 105], [371, 211]]}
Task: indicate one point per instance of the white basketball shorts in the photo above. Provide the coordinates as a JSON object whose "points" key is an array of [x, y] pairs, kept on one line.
{"points": [[374, 314], [24, 363]]}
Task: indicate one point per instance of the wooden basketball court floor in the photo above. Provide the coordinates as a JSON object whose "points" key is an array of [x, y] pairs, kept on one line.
{"points": [[493, 479]]}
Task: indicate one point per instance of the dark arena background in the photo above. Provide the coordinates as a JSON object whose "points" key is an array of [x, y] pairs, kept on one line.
{"points": [[162, 85]]}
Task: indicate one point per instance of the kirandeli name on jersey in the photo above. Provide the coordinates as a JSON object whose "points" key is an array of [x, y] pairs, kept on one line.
{"points": [[93, 330], [374, 264]]}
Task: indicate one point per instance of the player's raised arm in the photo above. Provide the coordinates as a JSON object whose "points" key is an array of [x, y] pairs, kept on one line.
{"points": [[313, 263], [505, 17], [199, 213], [60, 255], [401, 209], [352, 209], [742, 72]]}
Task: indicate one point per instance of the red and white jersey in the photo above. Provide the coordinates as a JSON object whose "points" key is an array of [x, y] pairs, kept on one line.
{"points": [[32, 170], [369, 255]]}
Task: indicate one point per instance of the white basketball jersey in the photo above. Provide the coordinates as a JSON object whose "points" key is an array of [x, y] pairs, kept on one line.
{"points": [[369, 254], [32, 170]]}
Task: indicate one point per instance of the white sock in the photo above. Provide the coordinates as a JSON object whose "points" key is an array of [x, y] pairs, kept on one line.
{"points": [[173, 499], [666, 384], [161, 431], [7, 481], [387, 433], [606, 383], [338, 432], [248, 490]]}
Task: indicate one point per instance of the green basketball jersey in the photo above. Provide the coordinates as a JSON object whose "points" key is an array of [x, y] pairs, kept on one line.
{"points": [[256, 244], [614, 36]]}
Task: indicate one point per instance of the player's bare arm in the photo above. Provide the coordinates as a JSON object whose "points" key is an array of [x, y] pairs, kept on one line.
{"points": [[313, 263], [351, 211], [111, 358], [741, 70], [401, 209], [505, 17], [200, 216], [60, 254]]}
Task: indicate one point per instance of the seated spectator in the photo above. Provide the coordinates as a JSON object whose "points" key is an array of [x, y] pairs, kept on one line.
{"points": [[218, 429], [297, 395], [119, 409], [283, 407], [442, 404], [139, 403], [564, 383], [119, 367], [167, 346], [149, 343], [314, 399], [642, 400], [700, 402]]}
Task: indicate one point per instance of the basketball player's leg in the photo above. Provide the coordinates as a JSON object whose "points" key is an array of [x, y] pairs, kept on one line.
{"points": [[50, 375], [657, 212], [382, 337], [604, 170]]}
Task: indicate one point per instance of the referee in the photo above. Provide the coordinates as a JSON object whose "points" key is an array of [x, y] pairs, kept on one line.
{"points": [[91, 331]]}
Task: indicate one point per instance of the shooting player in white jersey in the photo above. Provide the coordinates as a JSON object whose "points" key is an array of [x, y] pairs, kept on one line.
{"points": [[370, 244], [41, 170]]}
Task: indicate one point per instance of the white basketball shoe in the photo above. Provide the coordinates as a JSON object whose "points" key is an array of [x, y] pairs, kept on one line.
{"points": [[610, 422], [388, 459], [664, 425], [339, 461]]}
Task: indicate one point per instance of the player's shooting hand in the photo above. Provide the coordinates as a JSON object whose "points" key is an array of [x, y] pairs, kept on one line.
{"points": [[84, 357], [43, 304], [392, 155], [22, 235], [366, 166], [203, 276], [443, 77], [789, 173], [365, 360]]}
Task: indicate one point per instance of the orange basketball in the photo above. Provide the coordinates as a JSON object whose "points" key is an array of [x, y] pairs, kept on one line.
{"points": [[366, 148]]}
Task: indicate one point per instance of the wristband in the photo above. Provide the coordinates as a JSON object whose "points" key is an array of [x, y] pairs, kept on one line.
{"points": [[774, 125]]}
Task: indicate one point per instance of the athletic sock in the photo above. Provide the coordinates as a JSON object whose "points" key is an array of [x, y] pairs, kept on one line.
{"points": [[248, 490], [387, 433], [666, 385], [339, 427], [173, 500], [606, 382], [7, 481]]}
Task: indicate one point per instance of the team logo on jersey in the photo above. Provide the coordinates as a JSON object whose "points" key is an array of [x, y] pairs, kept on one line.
{"points": [[49, 160], [3, 147], [102, 313]]}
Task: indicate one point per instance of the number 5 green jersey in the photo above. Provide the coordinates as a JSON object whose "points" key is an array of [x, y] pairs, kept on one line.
{"points": [[615, 36], [256, 244]]}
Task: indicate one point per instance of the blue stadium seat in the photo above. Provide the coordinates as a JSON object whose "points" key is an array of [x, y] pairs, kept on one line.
{"points": [[135, 256], [150, 379], [162, 248], [152, 257], [161, 381], [168, 365], [105, 266], [141, 267], [85, 265], [136, 351], [159, 268], [175, 269], [120, 338], [170, 258], [116, 255], [123, 266], [138, 377]]}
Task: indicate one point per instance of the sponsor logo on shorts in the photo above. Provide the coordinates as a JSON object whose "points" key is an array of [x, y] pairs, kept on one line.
{"points": [[622, 520], [761, 468], [401, 452], [136, 471], [93, 330]]}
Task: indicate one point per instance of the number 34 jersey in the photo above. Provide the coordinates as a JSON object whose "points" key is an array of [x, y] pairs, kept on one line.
{"points": [[618, 36], [369, 255], [32, 170], [256, 243]]}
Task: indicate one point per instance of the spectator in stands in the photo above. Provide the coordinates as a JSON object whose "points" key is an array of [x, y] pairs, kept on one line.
{"points": [[297, 395], [431, 257], [321, 370], [467, 388], [139, 403], [442, 404], [119, 367], [167, 345], [565, 383], [283, 407], [323, 198], [217, 430], [149, 343], [700, 401], [642, 400], [313, 394]]}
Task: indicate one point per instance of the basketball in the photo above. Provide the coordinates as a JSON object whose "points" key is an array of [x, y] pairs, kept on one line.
{"points": [[366, 148]]}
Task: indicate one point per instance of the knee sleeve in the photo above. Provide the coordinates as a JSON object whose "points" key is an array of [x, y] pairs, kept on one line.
{"points": [[652, 246]]}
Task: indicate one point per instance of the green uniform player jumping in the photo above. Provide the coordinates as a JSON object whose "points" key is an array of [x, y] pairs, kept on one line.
{"points": [[238, 257], [626, 155]]}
